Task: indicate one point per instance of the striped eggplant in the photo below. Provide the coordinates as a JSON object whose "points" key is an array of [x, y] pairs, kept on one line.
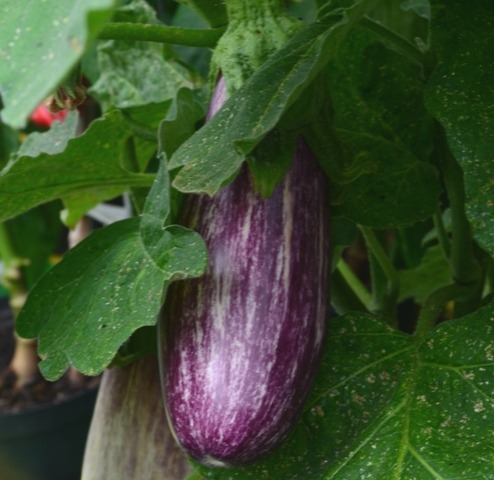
{"points": [[240, 345]]}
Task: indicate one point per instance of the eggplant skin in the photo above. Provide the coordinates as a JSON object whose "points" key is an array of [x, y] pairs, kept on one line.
{"points": [[241, 344]]}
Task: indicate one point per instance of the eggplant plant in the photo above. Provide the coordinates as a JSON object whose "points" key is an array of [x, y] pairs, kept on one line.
{"points": [[312, 195]]}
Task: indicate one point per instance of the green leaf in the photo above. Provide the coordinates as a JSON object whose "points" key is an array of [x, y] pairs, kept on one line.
{"points": [[144, 122], [149, 115], [88, 305], [122, 83], [32, 237], [213, 11], [386, 405], [88, 171], [381, 119], [180, 121], [122, 63], [459, 94], [40, 45], [411, 244], [108, 286], [8, 143], [271, 160], [433, 272], [51, 142], [214, 154], [420, 7]]}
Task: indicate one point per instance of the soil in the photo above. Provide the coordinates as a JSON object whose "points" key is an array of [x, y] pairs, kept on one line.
{"points": [[40, 391]]}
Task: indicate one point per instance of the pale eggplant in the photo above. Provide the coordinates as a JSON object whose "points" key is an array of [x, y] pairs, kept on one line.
{"points": [[240, 345], [129, 437]]}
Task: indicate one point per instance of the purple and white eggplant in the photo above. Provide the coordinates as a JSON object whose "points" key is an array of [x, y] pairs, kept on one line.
{"points": [[241, 344]]}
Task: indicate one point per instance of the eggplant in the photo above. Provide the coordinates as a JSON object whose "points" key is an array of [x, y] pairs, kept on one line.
{"points": [[241, 344], [129, 437]]}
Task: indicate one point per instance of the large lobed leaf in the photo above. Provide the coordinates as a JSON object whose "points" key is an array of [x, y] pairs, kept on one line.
{"points": [[460, 95], [89, 170], [40, 44], [381, 120], [109, 286], [386, 405]]}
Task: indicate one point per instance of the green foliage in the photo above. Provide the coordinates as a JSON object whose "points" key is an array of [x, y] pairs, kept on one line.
{"points": [[85, 173], [40, 46], [432, 273], [386, 403], [394, 98], [109, 286], [381, 120], [460, 97], [121, 65], [51, 142], [28, 240], [258, 105]]}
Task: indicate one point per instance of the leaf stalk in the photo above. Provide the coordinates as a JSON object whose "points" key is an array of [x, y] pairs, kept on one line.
{"points": [[190, 37], [433, 306], [386, 283], [465, 268], [348, 293]]}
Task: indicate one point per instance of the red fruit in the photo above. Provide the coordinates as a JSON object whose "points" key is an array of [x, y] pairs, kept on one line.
{"points": [[44, 118]]}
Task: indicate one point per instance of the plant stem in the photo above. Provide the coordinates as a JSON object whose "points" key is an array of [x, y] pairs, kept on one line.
{"points": [[463, 263], [362, 299], [7, 250], [191, 37], [442, 235], [465, 268], [24, 363], [13, 278], [343, 298], [400, 43], [384, 298], [433, 306]]}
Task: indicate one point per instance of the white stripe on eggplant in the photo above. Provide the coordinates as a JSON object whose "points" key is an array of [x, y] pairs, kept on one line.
{"points": [[241, 344]]}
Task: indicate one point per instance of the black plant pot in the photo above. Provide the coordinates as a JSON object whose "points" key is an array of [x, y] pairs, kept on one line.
{"points": [[46, 443]]}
